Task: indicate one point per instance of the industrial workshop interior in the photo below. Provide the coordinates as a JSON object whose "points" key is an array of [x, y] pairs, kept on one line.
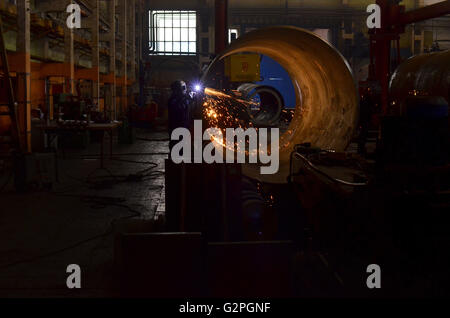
{"points": [[224, 149]]}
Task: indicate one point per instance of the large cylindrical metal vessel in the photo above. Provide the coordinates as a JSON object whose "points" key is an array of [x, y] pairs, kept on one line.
{"points": [[326, 111], [425, 74]]}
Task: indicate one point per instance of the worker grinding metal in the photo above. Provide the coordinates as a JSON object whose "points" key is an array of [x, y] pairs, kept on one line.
{"points": [[181, 107]]}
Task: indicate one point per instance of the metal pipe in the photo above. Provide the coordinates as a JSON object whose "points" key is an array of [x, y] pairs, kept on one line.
{"points": [[270, 103], [310, 165], [326, 98], [429, 12]]}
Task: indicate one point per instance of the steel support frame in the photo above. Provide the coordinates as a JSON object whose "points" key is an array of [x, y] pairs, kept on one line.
{"points": [[393, 22]]}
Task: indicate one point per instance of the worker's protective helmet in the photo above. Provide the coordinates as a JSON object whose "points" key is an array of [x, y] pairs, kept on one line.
{"points": [[179, 87]]}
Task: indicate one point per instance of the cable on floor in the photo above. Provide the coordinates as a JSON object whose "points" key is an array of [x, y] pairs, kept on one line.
{"points": [[105, 201]]}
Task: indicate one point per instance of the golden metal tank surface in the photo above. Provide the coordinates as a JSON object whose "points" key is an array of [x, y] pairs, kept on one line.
{"points": [[425, 74], [326, 110]]}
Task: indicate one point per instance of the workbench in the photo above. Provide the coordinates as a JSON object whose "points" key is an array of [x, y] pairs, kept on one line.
{"points": [[55, 129]]}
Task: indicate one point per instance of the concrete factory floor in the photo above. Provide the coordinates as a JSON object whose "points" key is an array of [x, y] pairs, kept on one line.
{"points": [[43, 231]]}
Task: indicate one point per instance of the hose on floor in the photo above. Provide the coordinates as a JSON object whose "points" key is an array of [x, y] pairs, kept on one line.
{"points": [[100, 202], [103, 202]]}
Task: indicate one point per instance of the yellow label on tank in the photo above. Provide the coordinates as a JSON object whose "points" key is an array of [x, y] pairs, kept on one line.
{"points": [[243, 67]]}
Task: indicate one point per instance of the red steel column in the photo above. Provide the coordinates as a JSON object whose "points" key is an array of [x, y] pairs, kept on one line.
{"points": [[221, 25]]}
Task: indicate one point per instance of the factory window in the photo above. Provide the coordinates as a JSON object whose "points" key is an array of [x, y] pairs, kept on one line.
{"points": [[173, 32], [233, 34]]}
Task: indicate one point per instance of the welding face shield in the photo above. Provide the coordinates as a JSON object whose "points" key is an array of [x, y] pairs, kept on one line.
{"points": [[179, 88]]}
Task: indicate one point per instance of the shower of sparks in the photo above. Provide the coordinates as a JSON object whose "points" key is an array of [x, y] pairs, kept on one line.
{"points": [[222, 110], [234, 110], [230, 110]]}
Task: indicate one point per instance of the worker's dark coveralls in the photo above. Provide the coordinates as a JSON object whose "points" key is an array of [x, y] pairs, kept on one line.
{"points": [[180, 108]]}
